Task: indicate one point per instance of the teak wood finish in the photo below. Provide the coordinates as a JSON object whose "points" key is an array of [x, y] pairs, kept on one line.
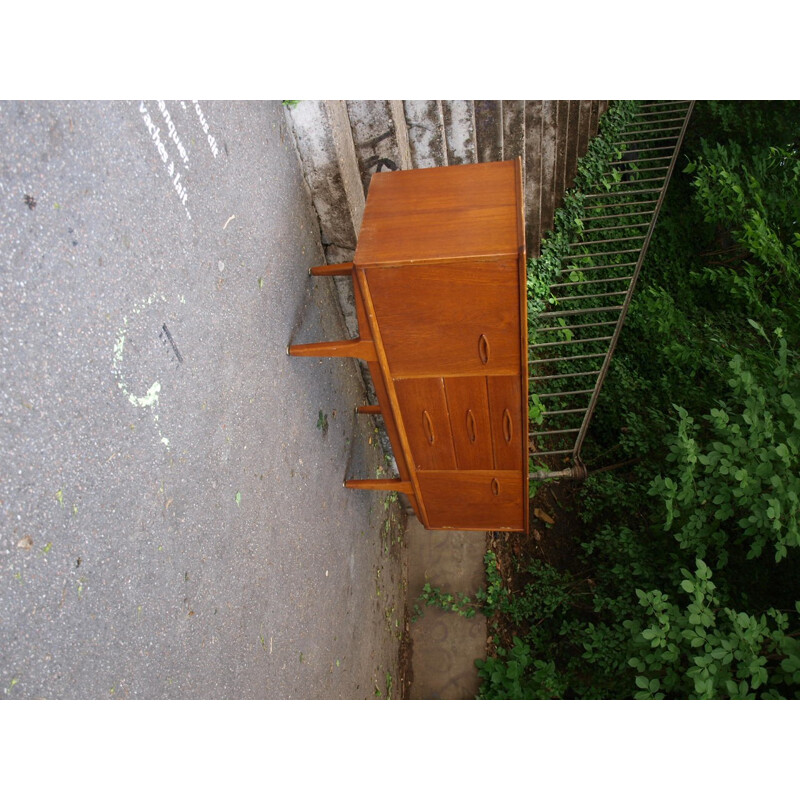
{"points": [[440, 292]]}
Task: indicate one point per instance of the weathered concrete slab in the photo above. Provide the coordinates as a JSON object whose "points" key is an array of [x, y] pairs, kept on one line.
{"points": [[313, 134], [445, 645], [489, 130], [346, 158], [550, 162], [514, 131], [459, 126], [378, 145], [534, 126], [425, 124]]}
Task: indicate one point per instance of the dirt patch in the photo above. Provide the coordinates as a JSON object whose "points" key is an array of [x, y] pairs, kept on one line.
{"points": [[392, 681], [555, 529], [405, 660]]}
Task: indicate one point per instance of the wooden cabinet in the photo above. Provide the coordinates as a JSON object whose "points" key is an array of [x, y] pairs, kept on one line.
{"points": [[440, 289]]}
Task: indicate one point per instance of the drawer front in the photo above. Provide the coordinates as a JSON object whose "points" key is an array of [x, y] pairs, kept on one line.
{"points": [[486, 500], [448, 319], [468, 404], [505, 412], [423, 408]]}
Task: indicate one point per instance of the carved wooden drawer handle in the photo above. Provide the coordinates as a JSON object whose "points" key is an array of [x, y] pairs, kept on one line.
{"points": [[495, 487], [426, 421], [508, 430], [472, 429], [483, 348]]}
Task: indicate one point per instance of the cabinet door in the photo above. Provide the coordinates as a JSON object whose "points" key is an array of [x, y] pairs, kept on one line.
{"points": [[458, 318], [489, 500]]}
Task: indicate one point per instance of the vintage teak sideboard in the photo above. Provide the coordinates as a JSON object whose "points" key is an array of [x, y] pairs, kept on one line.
{"points": [[440, 291]]}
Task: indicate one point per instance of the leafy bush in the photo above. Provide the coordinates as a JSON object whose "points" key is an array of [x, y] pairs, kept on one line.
{"points": [[704, 651], [740, 483]]}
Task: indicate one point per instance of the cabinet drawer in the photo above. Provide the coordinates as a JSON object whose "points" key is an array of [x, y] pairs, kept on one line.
{"points": [[485, 500], [459, 318], [423, 408], [505, 412], [468, 404]]}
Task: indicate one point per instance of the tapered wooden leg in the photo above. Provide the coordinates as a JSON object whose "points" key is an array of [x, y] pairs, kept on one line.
{"points": [[332, 269], [349, 348], [368, 410], [381, 485]]}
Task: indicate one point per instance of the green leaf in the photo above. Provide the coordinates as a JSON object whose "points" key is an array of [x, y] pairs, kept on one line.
{"points": [[759, 328]]}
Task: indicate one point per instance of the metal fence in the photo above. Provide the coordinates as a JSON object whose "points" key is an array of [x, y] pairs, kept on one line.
{"points": [[572, 345]]}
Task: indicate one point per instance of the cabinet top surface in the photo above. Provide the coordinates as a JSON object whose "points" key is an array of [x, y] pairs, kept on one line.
{"points": [[469, 210]]}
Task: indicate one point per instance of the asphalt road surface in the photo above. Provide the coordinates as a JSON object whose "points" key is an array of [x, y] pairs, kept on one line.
{"points": [[172, 517]]}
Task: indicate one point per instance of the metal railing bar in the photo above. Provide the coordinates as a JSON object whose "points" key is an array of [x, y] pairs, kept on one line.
{"points": [[653, 105], [568, 298], [563, 375], [626, 193], [626, 143], [648, 141], [588, 283], [566, 342], [565, 394], [617, 227], [577, 311], [635, 171], [567, 358], [574, 327], [639, 161], [536, 376], [539, 453], [604, 266], [564, 411], [597, 255], [616, 216], [652, 130], [634, 181], [654, 149], [607, 241], [561, 432], [639, 169], [652, 114], [620, 205], [631, 172]]}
